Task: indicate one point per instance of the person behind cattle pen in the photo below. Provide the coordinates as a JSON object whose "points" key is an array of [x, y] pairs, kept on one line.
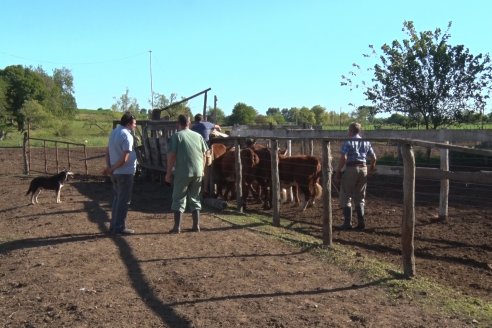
{"points": [[204, 128], [353, 181], [187, 155]]}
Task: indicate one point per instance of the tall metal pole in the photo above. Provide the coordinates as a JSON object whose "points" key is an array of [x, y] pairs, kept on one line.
{"points": [[151, 88]]}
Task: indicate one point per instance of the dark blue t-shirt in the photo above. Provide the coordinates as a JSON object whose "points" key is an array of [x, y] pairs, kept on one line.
{"points": [[204, 129]]}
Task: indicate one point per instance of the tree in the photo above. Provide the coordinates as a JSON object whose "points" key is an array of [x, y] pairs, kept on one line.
{"points": [[427, 76], [63, 80], [53, 93], [22, 84], [332, 118], [242, 114], [397, 119], [291, 115], [5, 115], [125, 103], [161, 101], [216, 115], [319, 114], [172, 113], [264, 119], [306, 116], [34, 112], [364, 114], [275, 116]]}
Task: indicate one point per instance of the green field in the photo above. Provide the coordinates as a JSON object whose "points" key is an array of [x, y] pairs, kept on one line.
{"points": [[89, 127]]}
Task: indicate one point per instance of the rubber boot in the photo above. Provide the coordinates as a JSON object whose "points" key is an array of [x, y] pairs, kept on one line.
{"points": [[177, 222], [195, 215], [347, 219], [360, 218]]}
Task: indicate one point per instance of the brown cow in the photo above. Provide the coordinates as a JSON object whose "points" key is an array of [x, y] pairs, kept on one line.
{"points": [[300, 172], [215, 152], [225, 171]]}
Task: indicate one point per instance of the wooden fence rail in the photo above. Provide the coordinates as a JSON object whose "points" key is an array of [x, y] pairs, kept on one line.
{"points": [[156, 133], [46, 143], [409, 173]]}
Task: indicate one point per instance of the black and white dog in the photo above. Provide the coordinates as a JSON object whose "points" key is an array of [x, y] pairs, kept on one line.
{"points": [[54, 182]]}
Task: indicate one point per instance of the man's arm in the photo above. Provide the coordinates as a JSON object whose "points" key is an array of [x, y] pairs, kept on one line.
{"points": [[217, 127], [341, 164], [372, 167], [110, 168], [171, 160]]}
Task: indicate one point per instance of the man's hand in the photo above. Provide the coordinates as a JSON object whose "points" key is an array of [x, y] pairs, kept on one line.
{"points": [[372, 170], [106, 171], [168, 178]]}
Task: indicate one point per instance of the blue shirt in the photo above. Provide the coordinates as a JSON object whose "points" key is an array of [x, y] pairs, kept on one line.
{"points": [[357, 150], [204, 128], [120, 142]]}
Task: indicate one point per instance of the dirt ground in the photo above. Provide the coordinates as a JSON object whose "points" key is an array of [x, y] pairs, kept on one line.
{"points": [[59, 267]]}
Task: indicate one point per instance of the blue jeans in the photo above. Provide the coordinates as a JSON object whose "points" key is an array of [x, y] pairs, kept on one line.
{"points": [[122, 191]]}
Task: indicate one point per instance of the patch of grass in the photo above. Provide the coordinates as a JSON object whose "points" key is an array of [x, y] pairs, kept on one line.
{"points": [[430, 295]]}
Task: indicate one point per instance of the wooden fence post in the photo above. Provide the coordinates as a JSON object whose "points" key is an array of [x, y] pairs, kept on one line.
{"points": [[290, 193], [29, 145], [408, 220], [45, 157], [327, 206], [56, 157], [444, 191], [85, 161], [275, 184], [24, 153], [239, 177]]}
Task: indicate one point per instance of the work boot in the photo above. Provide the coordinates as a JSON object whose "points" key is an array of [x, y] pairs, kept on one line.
{"points": [[360, 218], [195, 215], [177, 222], [347, 219]]}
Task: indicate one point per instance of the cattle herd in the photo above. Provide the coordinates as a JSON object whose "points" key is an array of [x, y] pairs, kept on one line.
{"points": [[300, 172]]}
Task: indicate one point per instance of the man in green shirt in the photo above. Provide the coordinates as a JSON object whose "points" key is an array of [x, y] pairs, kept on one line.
{"points": [[186, 154]]}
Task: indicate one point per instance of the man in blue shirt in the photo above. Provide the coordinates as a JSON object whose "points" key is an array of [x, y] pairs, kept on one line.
{"points": [[204, 128], [121, 163], [353, 182]]}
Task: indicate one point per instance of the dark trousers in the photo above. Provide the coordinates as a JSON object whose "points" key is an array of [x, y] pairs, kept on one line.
{"points": [[122, 191]]}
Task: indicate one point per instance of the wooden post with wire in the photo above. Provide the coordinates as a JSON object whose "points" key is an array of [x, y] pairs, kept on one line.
{"points": [[25, 153], [444, 191], [275, 184], [45, 157], [68, 155], [239, 177], [327, 203], [85, 161], [56, 158], [408, 220]]}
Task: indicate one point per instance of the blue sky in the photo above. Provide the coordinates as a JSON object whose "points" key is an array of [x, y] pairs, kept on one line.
{"points": [[277, 53]]}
